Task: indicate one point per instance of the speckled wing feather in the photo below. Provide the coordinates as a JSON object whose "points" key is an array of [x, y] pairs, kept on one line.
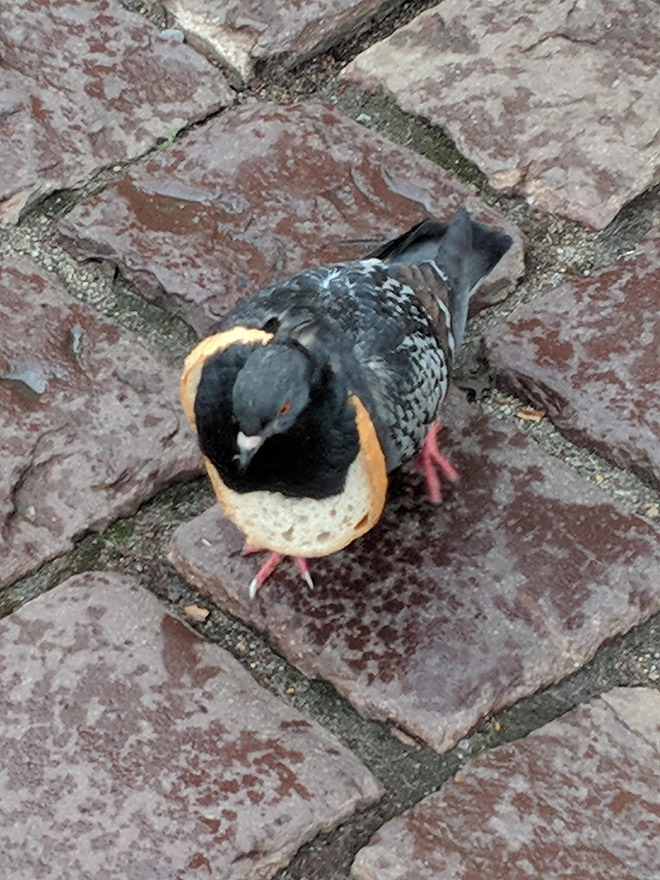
{"points": [[391, 323], [377, 331], [459, 252]]}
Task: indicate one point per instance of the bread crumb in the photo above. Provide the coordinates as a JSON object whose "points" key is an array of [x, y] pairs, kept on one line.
{"points": [[196, 613], [403, 737], [530, 415]]}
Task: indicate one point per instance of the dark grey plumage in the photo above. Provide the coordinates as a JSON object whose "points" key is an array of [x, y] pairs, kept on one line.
{"points": [[389, 324]]}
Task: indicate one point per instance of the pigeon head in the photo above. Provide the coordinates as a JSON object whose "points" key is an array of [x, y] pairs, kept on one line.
{"points": [[270, 391]]}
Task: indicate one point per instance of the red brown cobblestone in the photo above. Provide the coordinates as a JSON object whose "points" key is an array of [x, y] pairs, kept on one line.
{"points": [[556, 101], [438, 617], [578, 798], [84, 85], [587, 354], [260, 193], [90, 420], [133, 749], [242, 34]]}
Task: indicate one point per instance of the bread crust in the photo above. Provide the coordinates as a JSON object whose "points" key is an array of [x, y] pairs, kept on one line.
{"points": [[194, 362], [273, 521]]}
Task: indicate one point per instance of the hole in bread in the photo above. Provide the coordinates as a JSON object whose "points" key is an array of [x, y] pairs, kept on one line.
{"points": [[362, 522], [333, 511], [323, 536], [288, 535]]}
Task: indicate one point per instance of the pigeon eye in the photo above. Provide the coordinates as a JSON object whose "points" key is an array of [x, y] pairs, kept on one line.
{"points": [[284, 409], [272, 325]]}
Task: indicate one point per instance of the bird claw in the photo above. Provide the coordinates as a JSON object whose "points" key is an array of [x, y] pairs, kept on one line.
{"points": [[264, 573], [303, 568], [269, 567]]}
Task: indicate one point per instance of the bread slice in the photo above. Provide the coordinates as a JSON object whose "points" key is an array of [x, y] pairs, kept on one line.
{"points": [[296, 526]]}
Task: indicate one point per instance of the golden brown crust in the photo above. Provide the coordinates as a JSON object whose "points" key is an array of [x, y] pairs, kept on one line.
{"points": [[374, 463], [193, 364], [268, 518], [223, 496]]}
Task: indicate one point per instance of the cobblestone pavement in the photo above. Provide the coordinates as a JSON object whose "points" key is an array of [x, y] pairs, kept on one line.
{"points": [[468, 692]]}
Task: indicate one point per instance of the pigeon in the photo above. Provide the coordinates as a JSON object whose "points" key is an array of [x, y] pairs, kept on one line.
{"points": [[313, 389]]}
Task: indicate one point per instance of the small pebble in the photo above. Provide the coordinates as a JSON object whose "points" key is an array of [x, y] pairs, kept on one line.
{"points": [[173, 34]]}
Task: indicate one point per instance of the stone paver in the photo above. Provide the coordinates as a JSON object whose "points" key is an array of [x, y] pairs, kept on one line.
{"points": [[587, 353], [242, 34], [554, 100], [260, 193], [84, 85], [578, 798], [439, 616], [90, 424], [133, 749]]}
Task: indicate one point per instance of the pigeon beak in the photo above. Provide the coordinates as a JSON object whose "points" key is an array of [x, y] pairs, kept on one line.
{"points": [[247, 446]]}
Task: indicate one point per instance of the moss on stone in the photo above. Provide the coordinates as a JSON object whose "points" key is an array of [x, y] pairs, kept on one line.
{"points": [[410, 131]]}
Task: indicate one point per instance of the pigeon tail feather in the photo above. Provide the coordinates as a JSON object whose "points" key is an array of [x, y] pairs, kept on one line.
{"points": [[463, 249]]}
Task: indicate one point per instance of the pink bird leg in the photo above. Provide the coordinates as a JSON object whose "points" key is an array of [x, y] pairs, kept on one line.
{"points": [[431, 460], [269, 567]]}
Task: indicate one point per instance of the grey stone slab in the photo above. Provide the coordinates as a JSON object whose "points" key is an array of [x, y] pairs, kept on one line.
{"points": [[260, 193], [588, 354], [85, 84], [90, 423], [579, 798], [241, 34], [557, 101], [132, 749], [439, 616]]}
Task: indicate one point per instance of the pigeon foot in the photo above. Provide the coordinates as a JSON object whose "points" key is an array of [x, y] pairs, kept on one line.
{"points": [[269, 567], [430, 460]]}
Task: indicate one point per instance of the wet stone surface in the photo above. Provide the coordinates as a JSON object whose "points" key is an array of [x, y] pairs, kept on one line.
{"points": [[587, 354], [241, 34], [105, 89], [439, 616], [260, 193], [89, 418], [578, 798], [134, 749], [553, 100]]}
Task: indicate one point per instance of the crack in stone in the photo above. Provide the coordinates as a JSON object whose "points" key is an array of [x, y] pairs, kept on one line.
{"points": [[9, 525], [560, 35]]}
